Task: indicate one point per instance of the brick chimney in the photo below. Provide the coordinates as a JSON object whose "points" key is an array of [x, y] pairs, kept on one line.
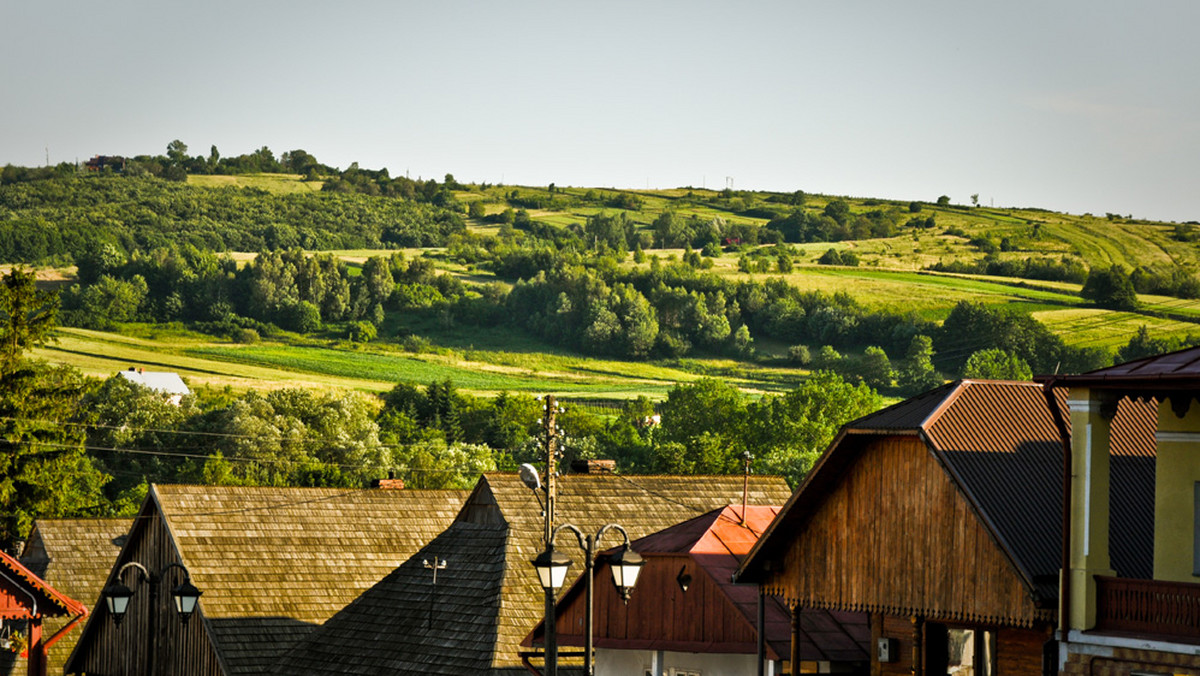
{"points": [[389, 484], [593, 466]]}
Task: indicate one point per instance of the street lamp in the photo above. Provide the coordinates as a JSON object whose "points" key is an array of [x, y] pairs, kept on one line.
{"points": [[185, 595], [551, 566]]}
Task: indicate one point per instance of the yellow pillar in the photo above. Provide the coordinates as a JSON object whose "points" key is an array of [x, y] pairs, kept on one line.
{"points": [[1089, 503]]}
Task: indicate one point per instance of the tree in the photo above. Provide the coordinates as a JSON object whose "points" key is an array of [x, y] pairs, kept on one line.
{"points": [[27, 317], [996, 365], [1110, 288], [44, 471], [975, 199], [177, 152], [1142, 344], [943, 201], [875, 368], [916, 373]]}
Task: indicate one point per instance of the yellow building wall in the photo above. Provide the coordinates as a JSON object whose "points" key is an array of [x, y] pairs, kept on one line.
{"points": [[1177, 472]]}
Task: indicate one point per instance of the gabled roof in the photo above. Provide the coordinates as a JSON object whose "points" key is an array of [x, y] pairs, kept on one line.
{"points": [[31, 595], [1174, 370], [997, 442], [387, 630], [166, 382], [273, 563], [717, 542], [642, 504], [76, 556]]}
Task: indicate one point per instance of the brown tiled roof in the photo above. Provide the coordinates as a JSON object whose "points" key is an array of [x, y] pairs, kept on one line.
{"points": [[390, 628], [74, 555], [642, 504], [998, 442]]}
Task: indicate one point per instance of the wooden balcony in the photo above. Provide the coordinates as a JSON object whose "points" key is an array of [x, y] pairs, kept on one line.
{"points": [[1167, 609]]}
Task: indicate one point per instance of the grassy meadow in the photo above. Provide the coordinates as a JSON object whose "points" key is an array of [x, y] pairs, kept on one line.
{"points": [[891, 275]]}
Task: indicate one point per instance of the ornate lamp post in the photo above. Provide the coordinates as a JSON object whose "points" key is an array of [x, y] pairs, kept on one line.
{"points": [[185, 595], [552, 567]]}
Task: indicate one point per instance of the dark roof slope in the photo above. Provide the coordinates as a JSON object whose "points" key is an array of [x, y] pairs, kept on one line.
{"points": [[642, 504], [1169, 371], [998, 443], [385, 630]]}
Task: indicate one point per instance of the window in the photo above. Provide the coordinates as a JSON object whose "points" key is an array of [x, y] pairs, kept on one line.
{"points": [[1196, 528], [958, 651]]}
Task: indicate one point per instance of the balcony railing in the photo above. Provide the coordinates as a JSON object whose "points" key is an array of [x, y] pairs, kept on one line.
{"points": [[1158, 607]]}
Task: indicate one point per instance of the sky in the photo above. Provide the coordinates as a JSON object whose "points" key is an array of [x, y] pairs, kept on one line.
{"points": [[1074, 105]]}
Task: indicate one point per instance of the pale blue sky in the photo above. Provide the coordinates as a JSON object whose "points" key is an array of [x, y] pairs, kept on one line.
{"points": [[1081, 106]]}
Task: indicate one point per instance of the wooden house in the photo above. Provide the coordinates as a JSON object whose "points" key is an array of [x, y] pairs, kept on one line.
{"points": [[1119, 620], [75, 556], [686, 615], [940, 516], [272, 564], [487, 597], [25, 601]]}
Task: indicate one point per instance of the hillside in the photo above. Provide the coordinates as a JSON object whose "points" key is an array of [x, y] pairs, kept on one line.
{"points": [[884, 255]]}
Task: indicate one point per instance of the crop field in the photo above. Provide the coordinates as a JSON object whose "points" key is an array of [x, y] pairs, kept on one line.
{"points": [[280, 184], [1090, 327]]}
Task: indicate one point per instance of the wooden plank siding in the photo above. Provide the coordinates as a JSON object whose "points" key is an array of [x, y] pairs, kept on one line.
{"points": [[701, 616], [895, 535], [117, 650]]}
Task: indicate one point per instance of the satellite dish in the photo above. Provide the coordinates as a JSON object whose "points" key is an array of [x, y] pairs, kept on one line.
{"points": [[529, 475]]}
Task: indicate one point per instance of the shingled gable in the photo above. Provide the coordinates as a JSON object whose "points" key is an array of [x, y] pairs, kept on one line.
{"points": [[996, 443], [76, 556], [711, 545], [501, 503], [272, 563]]}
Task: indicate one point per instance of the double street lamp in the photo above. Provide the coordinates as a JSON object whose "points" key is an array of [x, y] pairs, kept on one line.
{"points": [[552, 567], [185, 595]]}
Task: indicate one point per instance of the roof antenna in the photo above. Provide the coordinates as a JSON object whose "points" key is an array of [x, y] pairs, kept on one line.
{"points": [[746, 457]]}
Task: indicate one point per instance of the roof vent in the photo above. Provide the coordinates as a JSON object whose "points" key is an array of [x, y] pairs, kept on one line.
{"points": [[593, 466]]}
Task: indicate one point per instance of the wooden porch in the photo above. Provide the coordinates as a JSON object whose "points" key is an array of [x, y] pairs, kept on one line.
{"points": [[1155, 607]]}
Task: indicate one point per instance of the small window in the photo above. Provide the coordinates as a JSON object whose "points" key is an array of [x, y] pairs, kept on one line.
{"points": [[956, 651], [1196, 528]]}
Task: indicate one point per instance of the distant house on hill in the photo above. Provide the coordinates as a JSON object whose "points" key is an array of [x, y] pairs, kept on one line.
{"points": [[488, 598], [114, 163], [166, 383], [687, 616], [941, 517], [272, 564], [74, 555]]}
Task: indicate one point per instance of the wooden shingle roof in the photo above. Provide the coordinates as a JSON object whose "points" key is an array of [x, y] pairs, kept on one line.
{"points": [[74, 555], [406, 624], [273, 563], [642, 504]]}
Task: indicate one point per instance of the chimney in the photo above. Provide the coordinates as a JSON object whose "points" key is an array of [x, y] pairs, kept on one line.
{"points": [[389, 484], [593, 466]]}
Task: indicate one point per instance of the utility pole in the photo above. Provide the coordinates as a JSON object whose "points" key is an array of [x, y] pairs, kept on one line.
{"points": [[551, 466], [551, 496]]}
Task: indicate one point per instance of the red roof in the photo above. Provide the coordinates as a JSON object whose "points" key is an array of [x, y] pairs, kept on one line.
{"points": [[24, 595], [717, 542]]}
